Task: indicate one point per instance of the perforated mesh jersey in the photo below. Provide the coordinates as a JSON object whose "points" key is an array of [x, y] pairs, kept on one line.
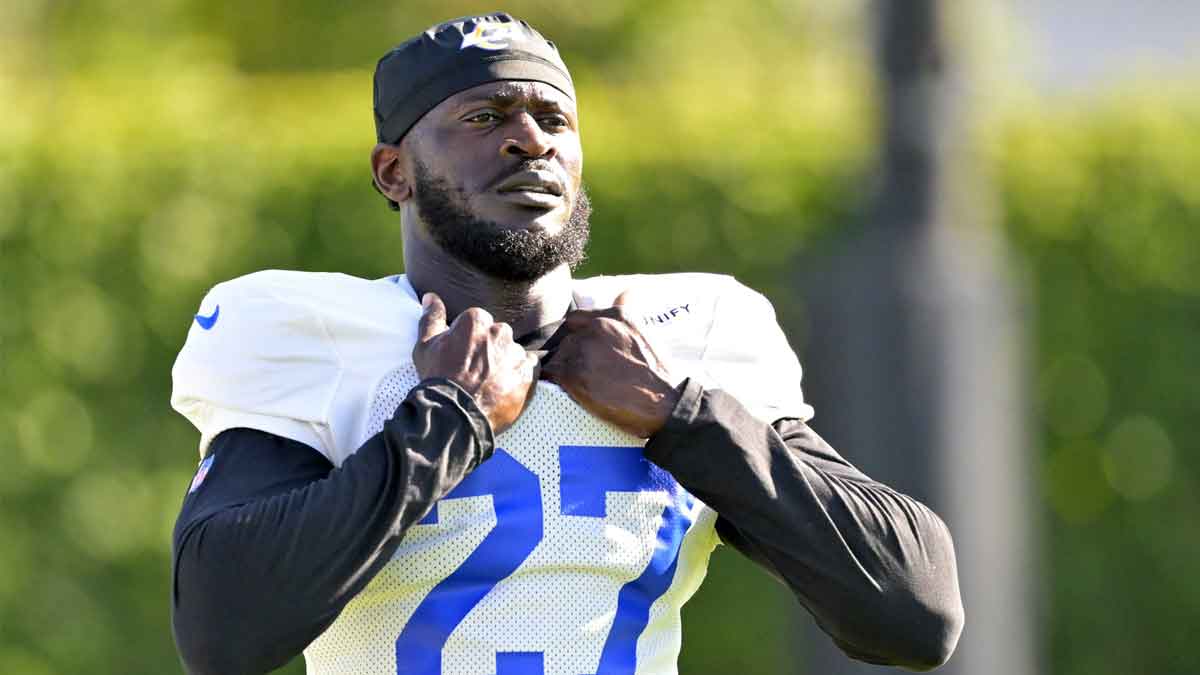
{"points": [[569, 518]]}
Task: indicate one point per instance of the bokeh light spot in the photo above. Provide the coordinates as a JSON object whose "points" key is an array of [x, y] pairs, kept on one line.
{"points": [[1138, 458], [185, 241], [107, 511], [54, 432], [79, 326], [1075, 396]]}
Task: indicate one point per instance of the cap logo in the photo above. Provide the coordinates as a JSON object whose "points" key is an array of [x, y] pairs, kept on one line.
{"points": [[490, 36]]}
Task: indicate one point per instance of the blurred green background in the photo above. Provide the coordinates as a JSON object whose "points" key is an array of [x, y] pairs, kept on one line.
{"points": [[150, 150]]}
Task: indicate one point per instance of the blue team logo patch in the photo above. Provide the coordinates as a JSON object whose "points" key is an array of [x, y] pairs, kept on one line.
{"points": [[201, 473], [207, 322]]}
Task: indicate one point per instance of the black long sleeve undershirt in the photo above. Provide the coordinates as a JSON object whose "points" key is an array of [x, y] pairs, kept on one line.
{"points": [[264, 557], [264, 564], [875, 568]]}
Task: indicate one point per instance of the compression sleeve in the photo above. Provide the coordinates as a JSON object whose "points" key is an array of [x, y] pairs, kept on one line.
{"points": [[273, 541], [875, 568]]}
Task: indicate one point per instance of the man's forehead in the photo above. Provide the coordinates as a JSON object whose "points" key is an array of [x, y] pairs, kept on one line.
{"points": [[511, 92]]}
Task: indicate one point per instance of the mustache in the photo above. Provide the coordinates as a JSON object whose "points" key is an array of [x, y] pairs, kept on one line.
{"points": [[530, 165]]}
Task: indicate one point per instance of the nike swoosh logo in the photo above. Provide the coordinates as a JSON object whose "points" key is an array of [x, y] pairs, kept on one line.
{"points": [[207, 322]]}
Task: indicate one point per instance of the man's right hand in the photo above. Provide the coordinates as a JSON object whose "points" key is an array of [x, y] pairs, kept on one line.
{"points": [[479, 355]]}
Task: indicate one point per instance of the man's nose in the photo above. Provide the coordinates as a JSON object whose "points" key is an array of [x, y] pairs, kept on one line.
{"points": [[526, 138]]}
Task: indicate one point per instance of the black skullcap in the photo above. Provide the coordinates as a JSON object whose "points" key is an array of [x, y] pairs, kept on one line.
{"points": [[427, 69]]}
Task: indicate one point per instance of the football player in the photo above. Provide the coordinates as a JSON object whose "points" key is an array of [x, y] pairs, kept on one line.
{"points": [[484, 466]]}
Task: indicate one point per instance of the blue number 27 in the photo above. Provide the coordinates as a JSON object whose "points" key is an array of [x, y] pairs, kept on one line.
{"points": [[588, 473]]}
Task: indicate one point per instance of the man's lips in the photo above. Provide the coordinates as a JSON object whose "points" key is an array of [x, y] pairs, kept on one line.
{"points": [[532, 182]]}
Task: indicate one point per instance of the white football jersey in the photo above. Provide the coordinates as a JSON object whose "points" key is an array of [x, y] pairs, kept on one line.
{"points": [[566, 552]]}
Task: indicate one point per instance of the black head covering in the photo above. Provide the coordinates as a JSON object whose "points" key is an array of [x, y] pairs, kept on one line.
{"points": [[425, 70]]}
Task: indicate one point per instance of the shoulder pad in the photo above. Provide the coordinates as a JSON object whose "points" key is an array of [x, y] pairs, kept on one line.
{"points": [[711, 327], [748, 355], [266, 351]]}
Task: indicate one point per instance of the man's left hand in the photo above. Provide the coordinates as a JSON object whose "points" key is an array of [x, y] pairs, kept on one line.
{"points": [[605, 364]]}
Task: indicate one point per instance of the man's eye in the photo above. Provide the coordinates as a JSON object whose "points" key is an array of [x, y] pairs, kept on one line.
{"points": [[554, 122], [484, 118]]}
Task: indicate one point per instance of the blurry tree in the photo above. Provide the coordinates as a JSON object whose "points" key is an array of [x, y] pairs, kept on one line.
{"points": [[1103, 202]]}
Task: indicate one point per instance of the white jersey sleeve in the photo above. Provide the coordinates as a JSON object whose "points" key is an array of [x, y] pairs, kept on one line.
{"points": [[256, 358], [748, 355], [712, 328]]}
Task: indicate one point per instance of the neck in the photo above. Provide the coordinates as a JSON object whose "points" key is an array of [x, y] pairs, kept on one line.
{"points": [[525, 306]]}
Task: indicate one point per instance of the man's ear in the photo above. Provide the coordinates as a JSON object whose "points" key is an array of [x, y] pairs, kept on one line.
{"points": [[388, 169]]}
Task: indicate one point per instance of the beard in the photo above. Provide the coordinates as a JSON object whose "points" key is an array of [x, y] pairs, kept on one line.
{"points": [[501, 253]]}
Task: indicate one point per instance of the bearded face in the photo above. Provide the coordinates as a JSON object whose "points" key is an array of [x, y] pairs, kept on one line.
{"points": [[506, 253]]}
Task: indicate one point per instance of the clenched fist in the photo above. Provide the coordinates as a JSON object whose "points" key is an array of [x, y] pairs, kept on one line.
{"points": [[605, 364], [479, 355]]}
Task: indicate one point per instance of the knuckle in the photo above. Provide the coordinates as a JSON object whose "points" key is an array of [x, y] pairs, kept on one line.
{"points": [[607, 324], [478, 315]]}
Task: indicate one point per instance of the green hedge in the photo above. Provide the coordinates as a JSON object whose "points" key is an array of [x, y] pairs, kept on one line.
{"points": [[1103, 203]]}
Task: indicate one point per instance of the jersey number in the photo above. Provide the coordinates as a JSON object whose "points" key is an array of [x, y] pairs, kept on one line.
{"points": [[588, 473]]}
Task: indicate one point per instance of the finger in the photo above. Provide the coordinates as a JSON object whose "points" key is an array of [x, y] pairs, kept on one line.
{"points": [[533, 366], [557, 365], [625, 303], [533, 380], [517, 354], [474, 316], [433, 317], [578, 317], [501, 330], [580, 320]]}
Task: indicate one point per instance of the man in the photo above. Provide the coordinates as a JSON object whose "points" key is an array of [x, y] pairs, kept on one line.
{"points": [[393, 483]]}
